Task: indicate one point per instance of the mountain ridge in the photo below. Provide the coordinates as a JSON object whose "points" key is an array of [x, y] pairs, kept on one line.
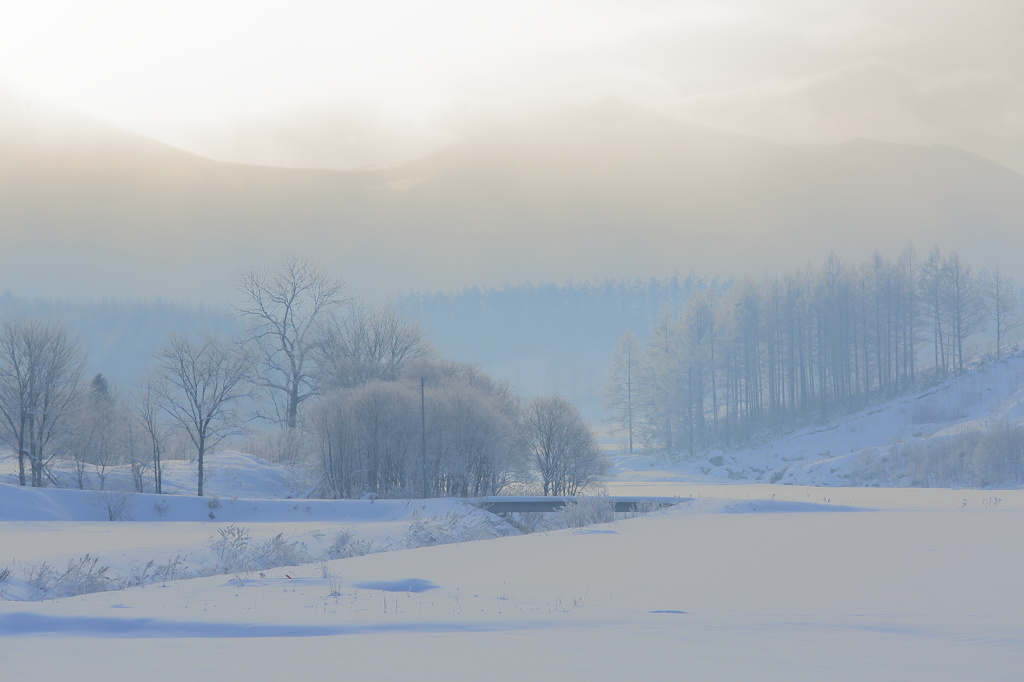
{"points": [[603, 191]]}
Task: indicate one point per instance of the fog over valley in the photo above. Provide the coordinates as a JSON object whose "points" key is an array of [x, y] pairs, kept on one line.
{"points": [[533, 339], [538, 145], [600, 191]]}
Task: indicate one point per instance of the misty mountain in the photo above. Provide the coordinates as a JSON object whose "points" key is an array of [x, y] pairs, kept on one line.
{"points": [[604, 191]]}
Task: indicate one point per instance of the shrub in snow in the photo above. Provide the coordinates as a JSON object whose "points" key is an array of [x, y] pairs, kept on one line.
{"points": [[82, 576], [332, 578], [153, 572], [277, 551], [230, 550], [451, 528], [235, 553], [115, 503], [647, 507], [346, 545], [584, 511], [172, 569], [528, 522]]}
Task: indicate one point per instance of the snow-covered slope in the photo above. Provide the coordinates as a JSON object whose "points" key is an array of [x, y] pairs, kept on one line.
{"points": [[228, 474], [938, 437]]}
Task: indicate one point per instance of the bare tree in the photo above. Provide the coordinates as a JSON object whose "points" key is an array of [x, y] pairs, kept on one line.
{"points": [[40, 373], [371, 344], [966, 306], [288, 307], [565, 452], [146, 401], [203, 381]]}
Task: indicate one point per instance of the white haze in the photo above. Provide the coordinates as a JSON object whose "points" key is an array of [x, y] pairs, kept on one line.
{"points": [[343, 85]]}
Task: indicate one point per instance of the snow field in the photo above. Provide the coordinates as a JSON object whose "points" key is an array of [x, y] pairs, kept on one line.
{"points": [[739, 581], [716, 589]]}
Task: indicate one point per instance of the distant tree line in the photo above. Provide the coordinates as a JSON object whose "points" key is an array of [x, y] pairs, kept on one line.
{"points": [[495, 323], [550, 337], [773, 353], [355, 391], [121, 334]]}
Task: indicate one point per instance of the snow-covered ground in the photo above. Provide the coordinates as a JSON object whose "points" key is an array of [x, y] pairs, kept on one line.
{"points": [[740, 580], [837, 584]]}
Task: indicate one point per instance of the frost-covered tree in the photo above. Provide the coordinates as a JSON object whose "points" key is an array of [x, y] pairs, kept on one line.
{"points": [[370, 440], [1003, 307], [373, 437], [100, 435], [934, 288], [473, 442], [288, 309], [563, 447], [40, 374], [622, 394], [370, 343], [770, 354], [698, 361], [966, 306], [660, 385], [149, 419], [203, 382]]}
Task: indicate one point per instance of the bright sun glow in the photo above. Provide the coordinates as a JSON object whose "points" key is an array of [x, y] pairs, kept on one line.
{"points": [[243, 81], [133, 62]]}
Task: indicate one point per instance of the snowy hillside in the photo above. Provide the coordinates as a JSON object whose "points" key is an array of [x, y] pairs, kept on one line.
{"points": [[962, 433]]}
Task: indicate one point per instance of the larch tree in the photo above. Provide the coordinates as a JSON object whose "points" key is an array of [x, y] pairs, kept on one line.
{"points": [[698, 346], [660, 385], [1003, 307], [934, 287], [966, 306], [622, 395]]}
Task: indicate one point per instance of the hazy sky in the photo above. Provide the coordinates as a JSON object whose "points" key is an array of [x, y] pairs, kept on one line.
{"points": [[343, 84]]}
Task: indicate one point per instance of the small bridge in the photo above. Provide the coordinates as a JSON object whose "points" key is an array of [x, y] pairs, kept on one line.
{"points": [[507, 505]]}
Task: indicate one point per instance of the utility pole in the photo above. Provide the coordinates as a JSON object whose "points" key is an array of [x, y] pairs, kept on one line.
{"points": [[423, 434]]}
